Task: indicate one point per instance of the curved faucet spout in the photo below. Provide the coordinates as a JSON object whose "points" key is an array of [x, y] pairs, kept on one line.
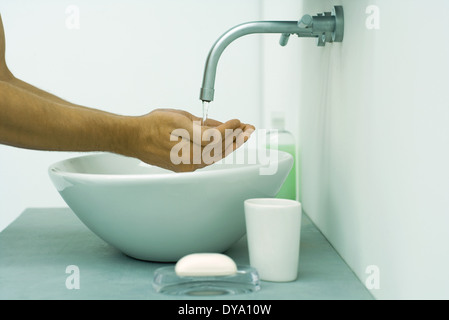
{"points": [[207, 90], [326, 27]]}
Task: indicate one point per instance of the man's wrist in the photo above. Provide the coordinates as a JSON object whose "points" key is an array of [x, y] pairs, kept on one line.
{"points": [[123, 135]]}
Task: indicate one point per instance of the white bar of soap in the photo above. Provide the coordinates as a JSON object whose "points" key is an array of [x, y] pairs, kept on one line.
{"points": [[205, 264]]}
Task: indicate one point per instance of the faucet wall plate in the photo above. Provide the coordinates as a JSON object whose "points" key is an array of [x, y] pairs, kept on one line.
{"points": [[328, 27], [339, 32]]}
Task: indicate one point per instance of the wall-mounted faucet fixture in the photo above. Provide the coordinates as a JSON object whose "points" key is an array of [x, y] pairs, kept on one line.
{"points": [[327, 27]]}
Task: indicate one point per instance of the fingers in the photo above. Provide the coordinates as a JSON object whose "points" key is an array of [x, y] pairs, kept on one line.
{"points": [[239, 140], [189, 122], [202, 134], [192, 156], [247, 127], [224, 129], [191, 117], [212, 123], [192, 145]]}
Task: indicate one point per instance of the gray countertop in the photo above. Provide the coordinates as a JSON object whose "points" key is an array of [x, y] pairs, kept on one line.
{"points": [[37, 247]]}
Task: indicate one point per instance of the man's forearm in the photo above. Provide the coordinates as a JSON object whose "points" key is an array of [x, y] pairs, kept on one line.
{"points": [[28, 120], [36, 119], [41, 93], [33, 118]]}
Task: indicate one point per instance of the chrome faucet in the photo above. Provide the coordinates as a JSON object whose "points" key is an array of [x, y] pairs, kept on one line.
{"points": [[327, 27]]}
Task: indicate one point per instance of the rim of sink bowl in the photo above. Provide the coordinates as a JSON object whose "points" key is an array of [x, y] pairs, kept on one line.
{"points": [[53, 169]]}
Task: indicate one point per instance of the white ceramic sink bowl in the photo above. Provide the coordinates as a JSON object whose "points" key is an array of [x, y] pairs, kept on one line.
{"points": [[154, 214]]}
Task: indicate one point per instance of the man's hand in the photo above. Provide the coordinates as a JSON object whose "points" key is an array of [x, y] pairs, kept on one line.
{"points": [[165, 133]]}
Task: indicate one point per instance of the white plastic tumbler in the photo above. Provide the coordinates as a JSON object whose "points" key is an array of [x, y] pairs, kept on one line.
{"points": [[273, 228]]}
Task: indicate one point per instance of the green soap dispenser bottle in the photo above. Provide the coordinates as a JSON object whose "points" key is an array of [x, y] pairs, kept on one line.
{"points": [[283, 140]]}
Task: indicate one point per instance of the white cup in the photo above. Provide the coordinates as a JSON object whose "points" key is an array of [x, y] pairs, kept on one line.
{"points": [[273, 228]]}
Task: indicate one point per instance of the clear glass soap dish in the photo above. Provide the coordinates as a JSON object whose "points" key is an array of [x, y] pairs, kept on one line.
{"points": [[166, 281]]}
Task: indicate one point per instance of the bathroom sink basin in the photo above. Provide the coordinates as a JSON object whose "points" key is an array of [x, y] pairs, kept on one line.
{"points": [[153, 214]]}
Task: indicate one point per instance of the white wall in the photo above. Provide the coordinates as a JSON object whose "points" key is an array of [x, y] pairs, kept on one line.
{"points": [[373, 113], [375, 136], [281, 71], [128, 57]]}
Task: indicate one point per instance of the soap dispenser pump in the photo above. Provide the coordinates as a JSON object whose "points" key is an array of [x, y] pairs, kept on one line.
{"points": [[281, 139]]}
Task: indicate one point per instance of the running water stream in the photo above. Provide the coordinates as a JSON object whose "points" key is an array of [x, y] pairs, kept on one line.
{"points": [[205, 111]]}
